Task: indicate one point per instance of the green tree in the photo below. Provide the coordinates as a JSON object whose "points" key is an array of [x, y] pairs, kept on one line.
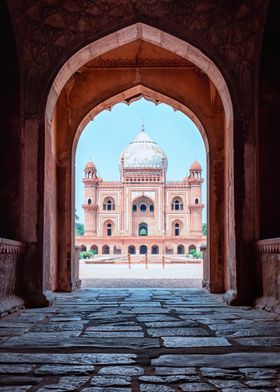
{"points": [[87, 254], [79, 227], [204, 228], [195, 254]]}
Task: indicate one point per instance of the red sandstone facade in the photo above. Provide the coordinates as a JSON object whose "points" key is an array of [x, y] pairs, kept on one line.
{"points": [[66, 61], [142, 213]]}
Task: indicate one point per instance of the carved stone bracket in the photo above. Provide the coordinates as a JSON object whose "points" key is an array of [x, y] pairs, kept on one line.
{"points": [[271, 245], [11, 247]]}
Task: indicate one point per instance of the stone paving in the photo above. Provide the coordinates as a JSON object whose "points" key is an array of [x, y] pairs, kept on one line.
{"points": [[121, 340]]}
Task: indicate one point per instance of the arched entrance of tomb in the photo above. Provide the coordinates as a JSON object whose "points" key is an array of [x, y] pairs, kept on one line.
{"points": [[180, 249], [131, 249], [197, 89], [143, 250]]}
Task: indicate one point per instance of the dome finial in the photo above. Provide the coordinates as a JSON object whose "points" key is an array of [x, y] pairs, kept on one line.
{"points": [[143, 126]]}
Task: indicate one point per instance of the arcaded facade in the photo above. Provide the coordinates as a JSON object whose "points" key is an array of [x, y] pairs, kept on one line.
{"points": [[142, 213]]}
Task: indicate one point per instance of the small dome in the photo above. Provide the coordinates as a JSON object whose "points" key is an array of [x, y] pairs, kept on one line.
{"points": [[143, 152], [90, 166], [196, 166]]}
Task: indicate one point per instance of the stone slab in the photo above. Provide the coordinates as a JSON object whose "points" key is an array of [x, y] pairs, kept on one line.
{"points": [[179, 341], [170, 379], [115, 328], [259, 373], [16, 388], [107, 381], [9, 332], [261, 383], [158, 317], [51, 370], [127, 342], [211, 372], [113, 334], [259, 341], [106, 389], [122, 370], [15, 368], [231, 360], [159, 332], [155, 388], [65, 384], [58, 327], [174, 370], [140, 304], [70, 359], [221, 384], [171, 324], [197, 387], [151, 310]]}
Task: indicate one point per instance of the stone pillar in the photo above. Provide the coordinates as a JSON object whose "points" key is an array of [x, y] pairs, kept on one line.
{"points": [[206, 268], [75, 280]]}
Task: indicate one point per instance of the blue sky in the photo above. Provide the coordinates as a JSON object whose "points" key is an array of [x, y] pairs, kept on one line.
{"points": [[104, 138]]}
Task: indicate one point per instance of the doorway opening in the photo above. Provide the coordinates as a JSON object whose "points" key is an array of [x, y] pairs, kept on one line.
{"points": [[177, 74], [143, 187]]}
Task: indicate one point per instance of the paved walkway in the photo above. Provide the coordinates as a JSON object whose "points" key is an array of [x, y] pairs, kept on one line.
{"points": [[173, 275], [121, 340]]}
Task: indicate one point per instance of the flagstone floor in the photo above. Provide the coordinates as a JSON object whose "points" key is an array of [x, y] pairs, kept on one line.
{"points": [[122, 340]]}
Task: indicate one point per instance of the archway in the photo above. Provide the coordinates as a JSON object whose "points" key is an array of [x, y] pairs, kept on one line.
{"points": [[155, 250], [143, 250], [105, 250], [180, 249], [218, 102], [143, 229], [132, 249], [108, 228], [94, 248]]}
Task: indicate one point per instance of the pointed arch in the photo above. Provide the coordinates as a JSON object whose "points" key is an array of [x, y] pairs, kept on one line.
{"points": [[141, 31]]}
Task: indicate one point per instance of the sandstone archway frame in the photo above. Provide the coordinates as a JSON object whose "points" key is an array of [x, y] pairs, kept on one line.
{"points": [[57, 260]]}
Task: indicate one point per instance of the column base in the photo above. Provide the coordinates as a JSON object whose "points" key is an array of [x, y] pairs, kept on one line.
{"points": [[233, 298], [39, 300], [10, 304], [268, 303]]}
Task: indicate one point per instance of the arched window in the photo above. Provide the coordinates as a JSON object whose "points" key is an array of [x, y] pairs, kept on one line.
{"points": [[95, 248], [143, 205], [177, 204], [108, 204], [143, 229], [143, 250], [131, 250], [89, 201], [180, 249], [109, 229], [155, 250], [105, 250], [177, 229], [192, 248], [83, 248], [196, 201], [143, 208]]}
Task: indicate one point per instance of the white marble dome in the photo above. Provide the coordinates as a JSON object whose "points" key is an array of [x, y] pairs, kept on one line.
{"points": [[143, 152]]}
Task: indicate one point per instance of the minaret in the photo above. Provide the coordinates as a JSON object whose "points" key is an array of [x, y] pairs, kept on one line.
{"points": [[91, 182], [195, 202]]}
